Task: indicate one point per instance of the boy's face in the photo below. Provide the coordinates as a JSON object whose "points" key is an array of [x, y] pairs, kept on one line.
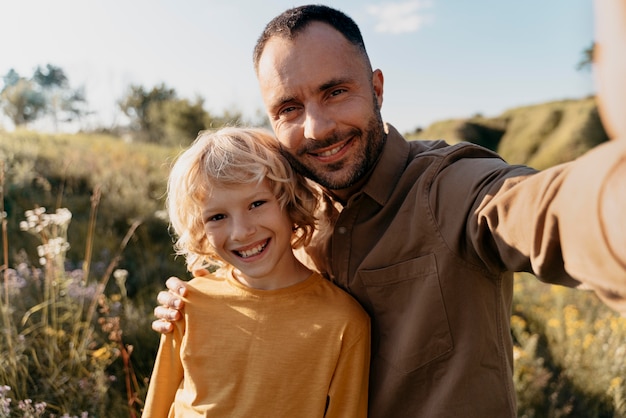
{"points": [[323, 102], [247, 228]]}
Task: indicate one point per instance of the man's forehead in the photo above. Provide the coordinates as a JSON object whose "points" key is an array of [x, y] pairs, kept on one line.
{"points": [[314, 31]]}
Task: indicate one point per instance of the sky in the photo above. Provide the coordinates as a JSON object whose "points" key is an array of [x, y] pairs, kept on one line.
{"points": [[441, 59]]}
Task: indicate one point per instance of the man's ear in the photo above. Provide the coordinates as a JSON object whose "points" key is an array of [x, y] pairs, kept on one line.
{"points": [[378, 80]]}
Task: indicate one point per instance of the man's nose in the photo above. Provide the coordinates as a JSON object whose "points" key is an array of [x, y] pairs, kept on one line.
{"points": [[318, 123]]}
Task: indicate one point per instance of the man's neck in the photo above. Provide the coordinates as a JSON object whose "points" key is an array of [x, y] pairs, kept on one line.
{"points": [[343, 195]]}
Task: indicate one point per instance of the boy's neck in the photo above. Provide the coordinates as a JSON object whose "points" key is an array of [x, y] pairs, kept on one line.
{"points": [[293, 276]]}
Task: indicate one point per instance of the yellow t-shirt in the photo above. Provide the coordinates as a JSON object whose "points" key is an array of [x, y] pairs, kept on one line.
{"points": [[301, 351]]}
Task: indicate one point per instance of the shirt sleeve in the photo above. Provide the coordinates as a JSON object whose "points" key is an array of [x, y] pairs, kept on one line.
{"points": [[348, 392], [592, 222], [565, 224], [166, 377]]}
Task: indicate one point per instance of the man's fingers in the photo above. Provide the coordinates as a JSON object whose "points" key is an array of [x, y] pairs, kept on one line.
{"points": [[176, 285], [162, 327], [169, 300], [166, 314]]}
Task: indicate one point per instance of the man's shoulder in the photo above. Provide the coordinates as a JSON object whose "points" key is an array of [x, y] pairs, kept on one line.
{"points": [[436, 149], [442, 149]]}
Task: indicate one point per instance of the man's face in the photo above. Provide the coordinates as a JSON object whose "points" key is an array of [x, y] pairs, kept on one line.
{"points": [[323, 102]]}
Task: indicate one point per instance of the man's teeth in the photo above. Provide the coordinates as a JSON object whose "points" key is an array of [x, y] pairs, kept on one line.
{"points": [[252, 251], [330, 152]]}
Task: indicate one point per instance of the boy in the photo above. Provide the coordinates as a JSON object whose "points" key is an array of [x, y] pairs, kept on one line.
{"points": [[263, 336]]}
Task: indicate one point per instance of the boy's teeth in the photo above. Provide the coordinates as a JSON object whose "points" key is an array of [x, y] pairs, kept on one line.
{"points": [[252, 251]]}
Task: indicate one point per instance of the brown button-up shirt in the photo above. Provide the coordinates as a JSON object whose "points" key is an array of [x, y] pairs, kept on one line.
{"points": [[428, 247]]}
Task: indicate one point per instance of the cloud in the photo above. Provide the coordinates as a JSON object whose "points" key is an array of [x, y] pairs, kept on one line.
{"points": [[401, 17]]}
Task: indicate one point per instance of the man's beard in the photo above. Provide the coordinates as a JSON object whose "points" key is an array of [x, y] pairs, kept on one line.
{"points": [[374, 138]]}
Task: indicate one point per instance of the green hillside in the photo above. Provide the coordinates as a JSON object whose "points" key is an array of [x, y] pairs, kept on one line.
{"points": [[540, 135]]}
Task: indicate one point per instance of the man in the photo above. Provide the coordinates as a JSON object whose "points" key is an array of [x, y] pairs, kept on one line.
{"points": [[427, 236]]}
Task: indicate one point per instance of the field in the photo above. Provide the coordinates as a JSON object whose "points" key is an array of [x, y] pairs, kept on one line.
{"points": [[87, 246]]}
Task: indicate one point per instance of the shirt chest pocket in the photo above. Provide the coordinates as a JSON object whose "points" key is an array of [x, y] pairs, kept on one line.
{"points": [[410, 325]]}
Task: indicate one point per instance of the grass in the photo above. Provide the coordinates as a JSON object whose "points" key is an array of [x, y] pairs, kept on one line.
{"points": [[570, 352], [79, 280]]}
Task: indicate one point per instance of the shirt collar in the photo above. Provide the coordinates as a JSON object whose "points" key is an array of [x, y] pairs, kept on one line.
{"points": [[386, 172], [389, 167]]}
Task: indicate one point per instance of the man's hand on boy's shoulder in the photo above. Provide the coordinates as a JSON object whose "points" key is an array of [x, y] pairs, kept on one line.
{"points": [[170, 304]]}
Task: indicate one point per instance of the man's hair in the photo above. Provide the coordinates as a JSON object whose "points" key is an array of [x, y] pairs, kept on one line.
{"points": [[233, 156], [293, 21]]}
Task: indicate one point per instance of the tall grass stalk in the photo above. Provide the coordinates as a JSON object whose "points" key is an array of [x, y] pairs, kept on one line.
{"points": [[57, 345], [10, 369], [95, 202]]}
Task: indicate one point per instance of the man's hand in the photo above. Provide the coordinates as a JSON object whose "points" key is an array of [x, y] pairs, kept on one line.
{"points": [[170, 305]]}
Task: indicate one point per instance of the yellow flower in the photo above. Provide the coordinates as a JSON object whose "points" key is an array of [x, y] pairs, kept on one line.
{"points": [[615, 383], [554, 323], [101, 353]]}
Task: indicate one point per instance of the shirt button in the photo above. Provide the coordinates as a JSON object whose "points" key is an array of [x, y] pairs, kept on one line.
{"points": [[342, 230]]}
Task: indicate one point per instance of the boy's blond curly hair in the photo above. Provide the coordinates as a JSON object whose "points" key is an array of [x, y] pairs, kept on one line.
{"points": [[232, 156]]}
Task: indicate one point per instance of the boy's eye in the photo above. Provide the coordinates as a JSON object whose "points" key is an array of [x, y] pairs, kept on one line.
{"points": [[217, 217], [257, 203]]}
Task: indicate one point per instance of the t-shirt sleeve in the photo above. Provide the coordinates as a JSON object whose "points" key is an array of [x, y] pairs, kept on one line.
{"points": [[167, 375]]}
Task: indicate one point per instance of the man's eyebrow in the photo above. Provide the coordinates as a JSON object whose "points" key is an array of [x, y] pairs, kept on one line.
{"points": [[333, 83], [282, 100]]}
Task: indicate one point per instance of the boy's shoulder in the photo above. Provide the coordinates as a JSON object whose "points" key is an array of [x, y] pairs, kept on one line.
{"points": [[206, 283], [339, 301]]}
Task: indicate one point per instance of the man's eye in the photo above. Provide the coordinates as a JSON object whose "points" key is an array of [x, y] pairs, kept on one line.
{"points": [[285, 111], [337, 92]]}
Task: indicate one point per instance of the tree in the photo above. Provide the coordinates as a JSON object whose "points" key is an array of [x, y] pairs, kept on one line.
{"points": [[177, 121], [47, 92], [62, 102], [159, 116], [20, 99], [587, 59], [138, 100]]}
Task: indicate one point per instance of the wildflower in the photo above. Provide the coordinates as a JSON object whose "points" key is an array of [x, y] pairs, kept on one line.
{"points": [[14, 279], [5, 402], [616, 382], [161, 215], [554, 323], [120, 278], [101, 353]]}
